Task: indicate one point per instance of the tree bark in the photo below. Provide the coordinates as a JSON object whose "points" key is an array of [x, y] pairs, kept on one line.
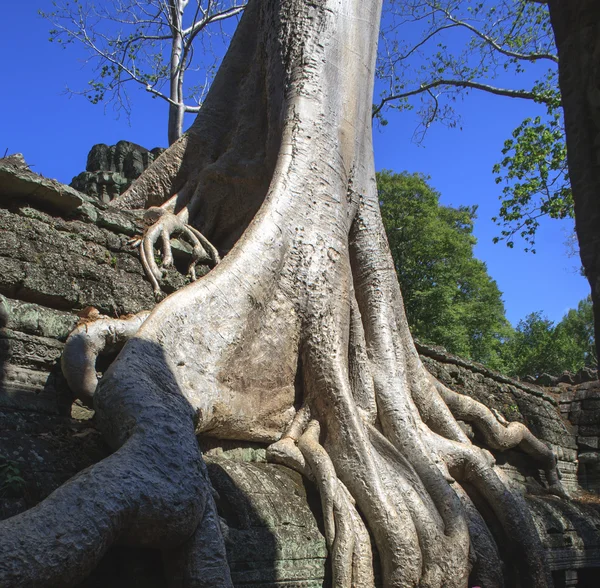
{"points": [[576, 28], [297, 339]]}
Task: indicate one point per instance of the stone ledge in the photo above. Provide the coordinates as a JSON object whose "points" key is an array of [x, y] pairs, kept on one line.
{"points": [[19, 181], [440, 354]]}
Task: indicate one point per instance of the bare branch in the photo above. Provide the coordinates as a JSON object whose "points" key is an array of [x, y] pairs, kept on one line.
{"points": [[496, 46], [197, 27], [423, 41], [524, 94]]}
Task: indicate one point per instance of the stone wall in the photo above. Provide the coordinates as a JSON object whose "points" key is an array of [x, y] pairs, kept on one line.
{"points": [[61, 251], [580, 406]]}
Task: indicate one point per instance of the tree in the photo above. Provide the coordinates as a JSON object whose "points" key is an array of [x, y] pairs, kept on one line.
{"points": [[576, 26], [296, 338], [435, 51], [539, 346], [449, 297], [534, 171], [148, 42], [126, 39], [578, 325], [532, 347]]}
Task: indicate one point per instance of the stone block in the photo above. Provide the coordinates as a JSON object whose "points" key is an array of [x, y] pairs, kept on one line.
{"points": [[591, 404], [589, 442]]}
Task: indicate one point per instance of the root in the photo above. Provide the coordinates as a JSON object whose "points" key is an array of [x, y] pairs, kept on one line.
{"points": [[501, 437], [322, 469], [63, 538], [198, 563], [476, 466], [412, 409], [346, 536], [86, 343], [487, 567], [164, 225]]}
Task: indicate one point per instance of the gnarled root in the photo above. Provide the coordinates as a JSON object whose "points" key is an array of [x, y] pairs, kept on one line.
{"points": [[89, 340], [153, 491], [164, 225], [347, 537], [503, 436]]}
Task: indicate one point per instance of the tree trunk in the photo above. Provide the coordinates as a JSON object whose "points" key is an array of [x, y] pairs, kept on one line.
{"points": [[297, 339], [577, 32], [176, 70]]}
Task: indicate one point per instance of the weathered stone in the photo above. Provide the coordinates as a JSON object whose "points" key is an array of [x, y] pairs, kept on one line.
{"points": [[591, 442], [566, 378], [546, 380], [72, 264], [18, 181], [111, 170], [586, 374]]}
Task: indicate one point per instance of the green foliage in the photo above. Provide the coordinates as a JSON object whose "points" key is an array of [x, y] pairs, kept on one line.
{"points": [[11, 482], [538, 346], [451, 300], [578, 326], [534, 171], [436, 50], [449, 297]]}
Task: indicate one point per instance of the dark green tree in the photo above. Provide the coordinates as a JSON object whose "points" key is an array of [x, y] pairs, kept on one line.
{"points": [[539, 346], [450, 298], [532, 350], [577, 326]]}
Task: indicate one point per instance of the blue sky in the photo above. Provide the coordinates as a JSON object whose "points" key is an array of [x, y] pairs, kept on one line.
{"points": [[55, 132]]}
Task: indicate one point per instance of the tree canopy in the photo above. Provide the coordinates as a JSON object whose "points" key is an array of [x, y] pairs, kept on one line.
{"points": [[434, 51], [449, 297], [539, 346], [451, 300]]}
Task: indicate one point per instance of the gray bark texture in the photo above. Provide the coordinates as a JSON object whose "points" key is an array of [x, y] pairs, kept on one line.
{"points": [[296, 339], [576, 28]]}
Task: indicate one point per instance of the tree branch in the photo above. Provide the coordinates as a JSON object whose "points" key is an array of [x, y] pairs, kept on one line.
{"points": [[524, 94], [496, 46], [196, 27], [423, 41]]}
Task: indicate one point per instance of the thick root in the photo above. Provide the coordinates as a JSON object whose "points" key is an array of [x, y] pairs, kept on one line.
{"points": [[198, 563], [487, 567], [64, 537], [477, 467], [89, 340], [502, 437], [345, 533]]}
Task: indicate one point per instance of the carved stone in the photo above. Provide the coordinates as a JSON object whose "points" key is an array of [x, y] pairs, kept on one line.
{"points": [[111, 169]]}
